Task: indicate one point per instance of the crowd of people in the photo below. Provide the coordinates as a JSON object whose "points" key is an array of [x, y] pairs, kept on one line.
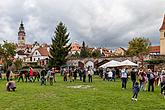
{"points": [[140, 78]]}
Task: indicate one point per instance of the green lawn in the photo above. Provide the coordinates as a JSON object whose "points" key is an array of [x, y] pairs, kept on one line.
{"points": [[102, 95]]}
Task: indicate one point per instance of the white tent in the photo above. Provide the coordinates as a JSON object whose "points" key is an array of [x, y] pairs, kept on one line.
{"points": [[111, 63], [128, 63]]}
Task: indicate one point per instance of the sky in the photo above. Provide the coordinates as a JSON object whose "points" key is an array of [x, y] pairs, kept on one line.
{"points": [[100, 23]]}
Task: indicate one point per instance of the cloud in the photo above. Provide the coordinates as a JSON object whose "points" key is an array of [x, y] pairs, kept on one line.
{"points": [[105, 23]]}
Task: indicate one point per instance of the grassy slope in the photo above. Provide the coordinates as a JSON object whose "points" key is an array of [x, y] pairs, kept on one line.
{"points": [[102, 96]]}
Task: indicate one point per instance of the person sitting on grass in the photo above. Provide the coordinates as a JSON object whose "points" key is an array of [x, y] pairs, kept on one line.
{"points": [[136, 90], [10, 86]]}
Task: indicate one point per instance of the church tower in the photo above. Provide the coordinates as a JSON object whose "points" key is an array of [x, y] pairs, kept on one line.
{"points": [[162, 38], [21, 35]]}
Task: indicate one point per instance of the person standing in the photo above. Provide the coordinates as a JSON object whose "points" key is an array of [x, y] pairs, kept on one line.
{"points": [[124, 76], [8, 74], [133, 76], [114, 74], [84, 75], [31, 74], [65, 74], [43, 74], [151, 79], [90, 74]]}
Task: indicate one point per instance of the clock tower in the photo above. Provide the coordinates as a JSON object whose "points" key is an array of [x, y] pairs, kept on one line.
{"points": [[21, 35]]}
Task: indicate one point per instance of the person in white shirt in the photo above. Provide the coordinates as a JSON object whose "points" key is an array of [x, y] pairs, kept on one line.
{"points": [[110, 75], [124, 76]]}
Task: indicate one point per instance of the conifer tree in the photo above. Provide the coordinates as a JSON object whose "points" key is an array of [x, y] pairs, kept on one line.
{"points": [[84, 52], [59, 48]]}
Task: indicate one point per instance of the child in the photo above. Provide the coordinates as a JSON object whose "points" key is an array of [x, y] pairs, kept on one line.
{"points": [[10, 86], [135, 91]]}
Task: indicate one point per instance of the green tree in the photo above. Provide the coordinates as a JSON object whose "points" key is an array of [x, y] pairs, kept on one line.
{"points": [[7, 52], [18, 64], [96, 53], [138, 47], [59, 48], [84, 51]]}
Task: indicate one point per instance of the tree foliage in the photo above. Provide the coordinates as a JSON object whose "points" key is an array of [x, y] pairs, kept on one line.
{"points": [[7, 53], [18, 64], [96, 53], [59, 48], [138, 47], [84, 51]]}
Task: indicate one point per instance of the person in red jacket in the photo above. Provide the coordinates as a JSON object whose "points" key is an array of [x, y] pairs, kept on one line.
{"points": [[31, 74]]}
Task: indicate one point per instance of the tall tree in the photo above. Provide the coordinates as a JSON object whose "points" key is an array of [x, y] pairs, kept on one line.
{"points": [[7, 52], [59, 48], [138, 47], [84, 52]]}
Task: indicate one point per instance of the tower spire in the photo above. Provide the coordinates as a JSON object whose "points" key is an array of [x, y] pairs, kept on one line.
{"points": [[21, 34], [163, 24]]}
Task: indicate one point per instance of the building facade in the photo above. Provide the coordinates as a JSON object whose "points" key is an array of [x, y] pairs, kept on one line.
{"points": [[162, 38]]}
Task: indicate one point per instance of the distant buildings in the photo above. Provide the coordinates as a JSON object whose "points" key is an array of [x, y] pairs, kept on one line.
{"points": [[40, 52]]}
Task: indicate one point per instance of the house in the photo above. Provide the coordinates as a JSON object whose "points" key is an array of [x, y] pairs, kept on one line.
{"points": [[154, 50], [75, 47], [120, 51], [40, 54], [106, 52]]}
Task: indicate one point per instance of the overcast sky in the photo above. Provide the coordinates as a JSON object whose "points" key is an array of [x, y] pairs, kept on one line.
{"points": [[100, 23]]}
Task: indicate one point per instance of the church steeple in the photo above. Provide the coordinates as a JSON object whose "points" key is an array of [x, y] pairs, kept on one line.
{"points": [[21, 34], [162, 37], [163, 24]]}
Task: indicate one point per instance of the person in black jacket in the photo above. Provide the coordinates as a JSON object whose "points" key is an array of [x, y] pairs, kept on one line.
{"points": [[133, 76], [43, 74]]}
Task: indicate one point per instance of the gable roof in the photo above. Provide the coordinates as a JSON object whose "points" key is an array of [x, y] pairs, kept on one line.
{"points": [[163, 24], [43, 51], [154, 49]]}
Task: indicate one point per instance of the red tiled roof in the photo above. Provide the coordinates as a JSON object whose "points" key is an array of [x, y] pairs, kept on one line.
{"points": [[43, 51], [154, 49], [163, 25]]}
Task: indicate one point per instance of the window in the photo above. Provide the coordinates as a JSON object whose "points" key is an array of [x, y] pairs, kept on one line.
{"points": [[36, 53], [34, 59], [38, 58], [164, 34]]}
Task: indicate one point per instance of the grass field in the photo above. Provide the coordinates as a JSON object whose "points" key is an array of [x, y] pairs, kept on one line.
{"points": [[102, 95]]}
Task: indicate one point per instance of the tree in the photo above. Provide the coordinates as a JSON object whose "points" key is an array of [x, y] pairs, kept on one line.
{"points": [[59, 48], [96, 53], [138, 47], [7, 52], [18, 64], [84, 52]]}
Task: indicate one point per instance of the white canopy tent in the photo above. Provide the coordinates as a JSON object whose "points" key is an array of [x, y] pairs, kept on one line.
{"points": [[128, 63], [111, 63]]}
